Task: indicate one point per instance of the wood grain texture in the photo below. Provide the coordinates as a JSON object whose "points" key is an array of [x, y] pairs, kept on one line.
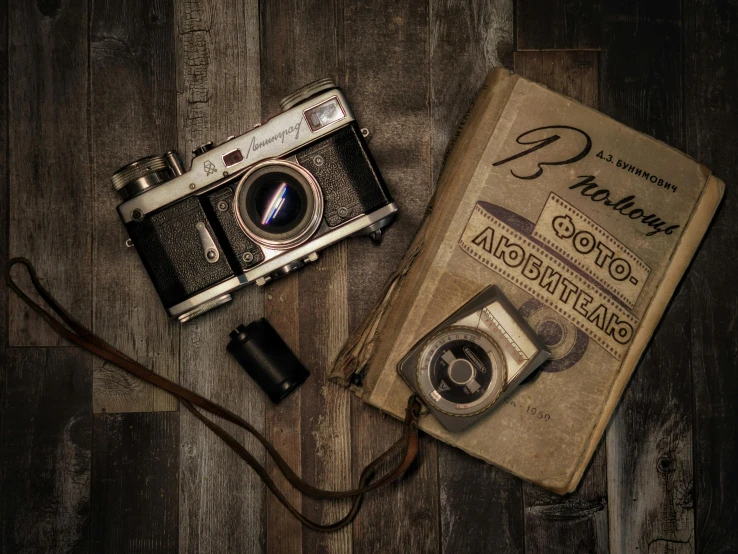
{"points": [[388, 84], [86, 87], [134, 498], [479, 504], [48, 159], [649, 446], [221, 500], [558, 24], [456, 74], [643, 91], [133, 114], [327, 449], [278, 34], [283, 426], [4, 196], [302, 42], [46, 451], [711, 108], [649, 442], [3, 217], [577, 522], [574, 74], [389, 94], [4, 189]]}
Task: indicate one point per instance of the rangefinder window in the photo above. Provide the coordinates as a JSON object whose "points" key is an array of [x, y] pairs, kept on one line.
{"points": [[232, 158], [324, 114]]}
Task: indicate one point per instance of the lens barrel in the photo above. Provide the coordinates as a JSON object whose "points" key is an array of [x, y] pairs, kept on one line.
{"points": [[278, 204]]}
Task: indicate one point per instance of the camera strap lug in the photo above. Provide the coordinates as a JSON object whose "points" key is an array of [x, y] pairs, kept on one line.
{"points": [[376, 236]]}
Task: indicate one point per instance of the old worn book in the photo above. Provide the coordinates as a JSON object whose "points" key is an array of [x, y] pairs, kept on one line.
{"points": [[586, 225]]}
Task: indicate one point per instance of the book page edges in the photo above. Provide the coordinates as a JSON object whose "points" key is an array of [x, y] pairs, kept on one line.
{"points": [[693, 234], [363, 358], [682, 257], [355, 364]]}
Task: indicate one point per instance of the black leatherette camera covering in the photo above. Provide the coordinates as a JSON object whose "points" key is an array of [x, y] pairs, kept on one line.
{"points": [[235, 242], [170, 246], [171, 251], [346, 173]]}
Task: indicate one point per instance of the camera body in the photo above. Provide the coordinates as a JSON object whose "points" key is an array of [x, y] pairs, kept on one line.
{"points": [[463, 366], [256, 207]]}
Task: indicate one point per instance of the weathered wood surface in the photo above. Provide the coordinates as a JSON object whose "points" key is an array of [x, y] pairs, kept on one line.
{"points": [[310, 305], [575, 74], [132, 111], [390, 92], [46, 450], [221, 500], [282, 307], [558, 24], [649, 442], [133, 499], [469, 490], [576, 522], [89, 86], [48, 158], [5, 176], [711, 111]]}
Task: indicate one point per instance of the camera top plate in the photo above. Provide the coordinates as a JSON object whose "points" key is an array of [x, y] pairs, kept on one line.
{"points": [[282, 134]]}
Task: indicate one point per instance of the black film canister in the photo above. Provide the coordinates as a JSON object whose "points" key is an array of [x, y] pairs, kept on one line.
{"points": [[267, 359]]}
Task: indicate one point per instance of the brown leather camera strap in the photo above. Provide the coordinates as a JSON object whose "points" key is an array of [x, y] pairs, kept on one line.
{"points": [[406, 448]]}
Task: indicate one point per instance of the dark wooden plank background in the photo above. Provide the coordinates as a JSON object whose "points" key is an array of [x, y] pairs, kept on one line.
{"points": [[94, 461]]}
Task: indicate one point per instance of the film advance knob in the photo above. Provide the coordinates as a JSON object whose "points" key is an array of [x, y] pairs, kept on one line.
{"points": [[136, 177]]}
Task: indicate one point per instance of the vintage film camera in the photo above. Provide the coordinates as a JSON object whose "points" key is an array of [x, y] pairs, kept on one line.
{"points": [[255, 207], [462, 368]]}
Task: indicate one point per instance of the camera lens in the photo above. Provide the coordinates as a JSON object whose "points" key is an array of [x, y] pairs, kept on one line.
{"points": [[279, 204]]}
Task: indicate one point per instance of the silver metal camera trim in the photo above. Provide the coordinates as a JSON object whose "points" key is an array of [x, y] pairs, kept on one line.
{"points": [[315, 219], [302, 252], [492, 393], [272, 140]]}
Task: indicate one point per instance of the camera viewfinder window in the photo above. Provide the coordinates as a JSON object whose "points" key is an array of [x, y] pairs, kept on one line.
{"points": [[232, 158], [324, 114]]}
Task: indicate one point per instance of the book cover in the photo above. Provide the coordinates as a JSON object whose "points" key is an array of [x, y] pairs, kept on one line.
{"points": [[587, 227]]}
